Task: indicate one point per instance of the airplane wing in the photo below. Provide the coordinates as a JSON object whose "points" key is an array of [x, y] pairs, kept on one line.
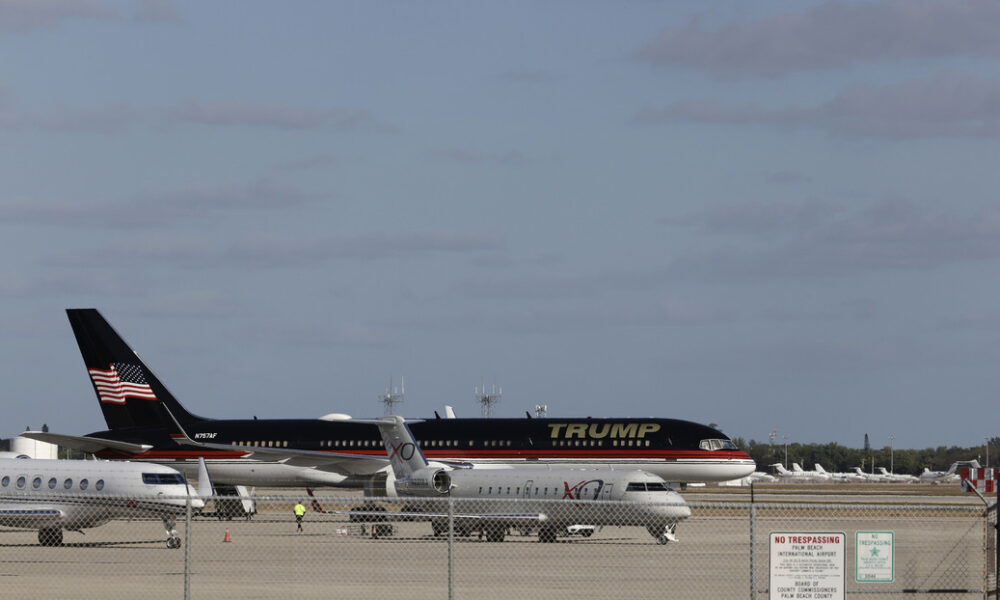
{"points": [[87, 444], [28, 517], [346, 464]]}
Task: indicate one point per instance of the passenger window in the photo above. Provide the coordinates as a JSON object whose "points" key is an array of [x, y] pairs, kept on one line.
{"points": [[83, 484], [52, 483], [68, 483], [36, 482], [5, 481], [99, 485], [20, 482]]}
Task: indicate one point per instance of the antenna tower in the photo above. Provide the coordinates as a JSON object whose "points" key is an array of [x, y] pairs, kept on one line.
{"points": [[488, 398], [541, 410], [392, 396]]}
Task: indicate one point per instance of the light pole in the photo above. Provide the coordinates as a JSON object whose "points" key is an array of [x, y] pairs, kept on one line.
{"points": [[785, 438], [891, 439], [987, 439]]}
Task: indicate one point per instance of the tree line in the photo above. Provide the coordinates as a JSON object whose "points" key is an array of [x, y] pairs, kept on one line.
{"points": [[835, 457]]}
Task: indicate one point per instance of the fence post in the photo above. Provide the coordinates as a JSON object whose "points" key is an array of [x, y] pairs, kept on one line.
{"points": [[187, 548], [451, 548], [753, 548]]}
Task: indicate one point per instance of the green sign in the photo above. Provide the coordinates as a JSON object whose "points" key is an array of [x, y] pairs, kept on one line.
{"points": [[874, 557]]}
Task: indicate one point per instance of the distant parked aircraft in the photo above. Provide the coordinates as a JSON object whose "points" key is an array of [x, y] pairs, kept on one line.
{"points": [[949, 476], [896, 477], [798, 474], [841, 477]]}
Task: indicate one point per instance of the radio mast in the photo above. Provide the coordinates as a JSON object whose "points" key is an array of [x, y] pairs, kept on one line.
{"points": [[392, 396], [488, 399]]}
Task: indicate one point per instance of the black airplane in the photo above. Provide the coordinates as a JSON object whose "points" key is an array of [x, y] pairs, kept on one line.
{"points": [[145, 422]]}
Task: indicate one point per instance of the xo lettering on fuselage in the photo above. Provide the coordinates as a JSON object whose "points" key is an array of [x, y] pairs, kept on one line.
{"points": [[601, 430]]}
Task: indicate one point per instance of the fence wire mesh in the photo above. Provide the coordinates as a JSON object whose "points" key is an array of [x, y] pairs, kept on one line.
{"points": [[387, 548]]}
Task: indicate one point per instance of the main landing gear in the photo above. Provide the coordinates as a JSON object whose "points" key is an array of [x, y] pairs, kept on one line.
{"points": [[53, 536], [173, 538]]}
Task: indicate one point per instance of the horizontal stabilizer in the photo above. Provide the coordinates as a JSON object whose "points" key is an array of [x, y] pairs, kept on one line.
{"points": [[90, 445]]}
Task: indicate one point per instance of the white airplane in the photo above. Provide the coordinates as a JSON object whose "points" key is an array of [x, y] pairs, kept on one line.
{"points": [[896, 477], [497, 499], [841, 477], [797, 474], [949, 476], [869, 477], [51, 495]]}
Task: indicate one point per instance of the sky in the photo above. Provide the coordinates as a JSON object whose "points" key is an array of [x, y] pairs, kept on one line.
{"points": [[771, 216]]}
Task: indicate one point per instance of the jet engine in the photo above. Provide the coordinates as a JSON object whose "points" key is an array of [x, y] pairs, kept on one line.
{"points": [[428, 481]]}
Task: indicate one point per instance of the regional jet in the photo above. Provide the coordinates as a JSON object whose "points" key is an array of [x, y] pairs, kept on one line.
{"points": [[493, 500]]}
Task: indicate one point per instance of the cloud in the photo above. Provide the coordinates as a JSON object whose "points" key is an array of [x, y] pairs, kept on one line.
{"points": [[892, 234], [270, 114], [283, 252], [759, 218], [948, 104], [24, 16], [195, 202], [473, 157], [787, 178], [157, 11], [104, 119], [831, 35]]}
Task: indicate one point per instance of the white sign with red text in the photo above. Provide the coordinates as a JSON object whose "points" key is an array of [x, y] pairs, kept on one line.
{"points": [[808, 565]]}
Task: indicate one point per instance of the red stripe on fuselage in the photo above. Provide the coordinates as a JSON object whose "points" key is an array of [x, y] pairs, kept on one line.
{"points": [[471, 454]]}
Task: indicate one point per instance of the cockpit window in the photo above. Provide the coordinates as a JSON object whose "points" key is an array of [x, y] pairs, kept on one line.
{"points": [[717, 445], [163, 478]]}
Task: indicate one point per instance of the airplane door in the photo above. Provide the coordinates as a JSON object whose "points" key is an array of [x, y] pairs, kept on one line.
{"points": [[606, 492], [527, 488]]}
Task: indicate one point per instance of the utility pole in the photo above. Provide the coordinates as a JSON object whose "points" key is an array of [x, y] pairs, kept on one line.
{"points": [[891, 439], [785, 438]]}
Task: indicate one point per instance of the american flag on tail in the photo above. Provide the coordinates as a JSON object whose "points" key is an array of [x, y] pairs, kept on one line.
{"points": [[122, 381]]}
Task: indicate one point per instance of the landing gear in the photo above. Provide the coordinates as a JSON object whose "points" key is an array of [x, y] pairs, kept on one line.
{"points": [[547, 535], [52, 536], [495, 533], [173, 538], [663, 534]]}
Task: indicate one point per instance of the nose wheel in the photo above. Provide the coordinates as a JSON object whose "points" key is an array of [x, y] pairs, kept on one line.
{"points": [[667, 533]]}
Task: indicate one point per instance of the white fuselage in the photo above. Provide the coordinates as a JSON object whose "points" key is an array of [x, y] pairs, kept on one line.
{"points": [[76, 494], [568, 496]]}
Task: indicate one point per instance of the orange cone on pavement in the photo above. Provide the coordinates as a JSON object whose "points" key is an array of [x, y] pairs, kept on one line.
{"points": [[228, 539]]}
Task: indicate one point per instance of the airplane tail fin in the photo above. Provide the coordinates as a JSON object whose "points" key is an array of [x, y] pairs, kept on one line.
{"points": [[796, 467], [129, 393], [819, 469], [405, 456]]}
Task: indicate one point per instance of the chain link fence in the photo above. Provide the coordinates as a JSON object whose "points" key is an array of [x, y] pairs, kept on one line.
{"points": [[366, 548]]}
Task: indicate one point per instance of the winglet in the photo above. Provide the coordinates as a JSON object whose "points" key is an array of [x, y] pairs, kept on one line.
{"points": [[205, 490]]}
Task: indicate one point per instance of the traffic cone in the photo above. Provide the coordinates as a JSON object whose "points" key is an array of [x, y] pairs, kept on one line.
{"points": [[228, 539]]}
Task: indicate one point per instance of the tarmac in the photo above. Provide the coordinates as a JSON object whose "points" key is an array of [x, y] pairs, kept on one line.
{"points": [[937, 547]]}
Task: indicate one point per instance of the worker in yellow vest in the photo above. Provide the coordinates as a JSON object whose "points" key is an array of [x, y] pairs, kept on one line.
{"points": [[300, 512]]}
